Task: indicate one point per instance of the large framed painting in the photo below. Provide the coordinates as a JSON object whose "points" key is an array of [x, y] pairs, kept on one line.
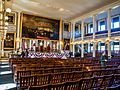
{"points": [[37, 27], [9, 42]]}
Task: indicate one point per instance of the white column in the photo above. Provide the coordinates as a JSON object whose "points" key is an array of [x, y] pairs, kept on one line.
{"points": [[94, 48], [2, 22], [73, 36], [18, 32], [57, 45], [83, 30], [109, 48], [82, 50], [109, 30], [60, 35], [79, 28], [36, 42], [1, 35], [45, 43], [94, 26], [94, 30]]}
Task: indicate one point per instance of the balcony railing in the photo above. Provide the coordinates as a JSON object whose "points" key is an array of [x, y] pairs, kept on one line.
{"points": [[88, 37], [105, 35], [78, 39], [114, 34]]}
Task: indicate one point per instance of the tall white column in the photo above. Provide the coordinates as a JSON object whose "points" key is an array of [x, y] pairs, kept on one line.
{"points": [[45, 43], [82, 50], [94, 30], [94, 48], [109, 30], [1, 32], [79, 28], [109, 48], [18, 40], [94, 26], [83, 30], [19, 28], [60, 35], [73, 36], [2, 23]]}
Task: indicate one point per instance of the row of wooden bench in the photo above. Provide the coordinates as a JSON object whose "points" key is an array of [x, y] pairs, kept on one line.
{"points": [[54, 78], [45, 71], [51, 61], [62, 70], [92, 83]]}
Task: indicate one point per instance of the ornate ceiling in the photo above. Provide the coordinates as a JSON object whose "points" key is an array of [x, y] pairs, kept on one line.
{"points": [[65, 9]]}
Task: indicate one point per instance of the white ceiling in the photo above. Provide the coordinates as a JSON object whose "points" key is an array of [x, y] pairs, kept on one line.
{"points": [[65, 9]]}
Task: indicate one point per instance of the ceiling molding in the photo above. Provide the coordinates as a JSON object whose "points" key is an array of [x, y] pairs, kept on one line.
{"points": [[105, 8]]}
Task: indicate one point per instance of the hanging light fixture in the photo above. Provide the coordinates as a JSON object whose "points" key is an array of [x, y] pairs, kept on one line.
{"points": [[6, 17], [5, 28], [8, 10]]}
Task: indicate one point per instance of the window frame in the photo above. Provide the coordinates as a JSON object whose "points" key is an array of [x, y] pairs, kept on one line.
{"points": [[112, 23], [99, 26], [89, 28]]}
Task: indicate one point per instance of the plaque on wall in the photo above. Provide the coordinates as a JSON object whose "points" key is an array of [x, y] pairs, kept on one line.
{"points": [[37, 27], [9, 42]]}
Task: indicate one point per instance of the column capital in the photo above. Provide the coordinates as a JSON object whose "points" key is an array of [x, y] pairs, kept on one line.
{"points": [[94, 15], [83, 20], [109, 9]]}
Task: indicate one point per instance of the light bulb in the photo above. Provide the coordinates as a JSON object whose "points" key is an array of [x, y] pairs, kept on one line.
{"points": [[6, 27], [8, 10], [6, 17]]}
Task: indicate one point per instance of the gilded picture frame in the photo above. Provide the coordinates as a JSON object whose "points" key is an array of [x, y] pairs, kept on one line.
{"points": [[9, 42], [11, 18]]}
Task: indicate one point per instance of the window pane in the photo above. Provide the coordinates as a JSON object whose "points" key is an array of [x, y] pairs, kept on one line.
{"points": [[88, 30], [102, 23], [116, 19], [91, 30], [116, 24], [99, 28], [91, 48], [102, 48], [116, 48], [102, 27], [99, 47]]}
